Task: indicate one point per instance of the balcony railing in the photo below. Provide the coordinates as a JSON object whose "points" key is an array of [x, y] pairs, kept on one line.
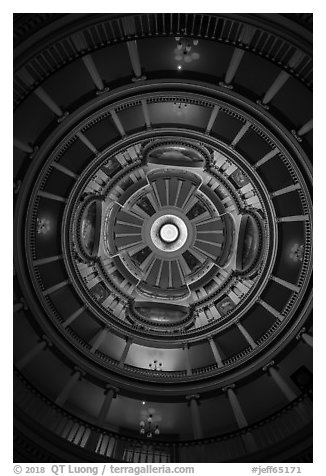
{"points": [[102, 31], [104, 444]]}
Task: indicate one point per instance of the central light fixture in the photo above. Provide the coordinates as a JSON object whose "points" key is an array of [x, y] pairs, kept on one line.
{"points": [[169, 233]]}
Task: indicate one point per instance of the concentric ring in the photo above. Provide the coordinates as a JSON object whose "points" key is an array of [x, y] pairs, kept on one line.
{"points": [[162, 235], [180, 225], [169, 233], [229, 301]]}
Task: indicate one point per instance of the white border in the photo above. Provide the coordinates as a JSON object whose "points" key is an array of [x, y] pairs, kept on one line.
{"points": [[59, 6]]}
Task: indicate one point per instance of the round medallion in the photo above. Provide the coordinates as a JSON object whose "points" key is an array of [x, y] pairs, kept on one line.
{"points": [[169, 233]]}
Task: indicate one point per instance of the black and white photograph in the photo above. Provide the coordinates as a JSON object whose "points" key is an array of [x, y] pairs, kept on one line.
{"points": [[162, 239]]}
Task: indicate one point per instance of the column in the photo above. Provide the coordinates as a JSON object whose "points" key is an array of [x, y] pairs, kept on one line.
{"points": [[41, 345], [146, 113], [248, 439], [216, 353], [307, 338], [73, 317], [56, 287], [193, 401], [246, 335], [24, 147], [125, 353], [236, 408], [270, 309], [237, 139], [81, 45], [48, 101], [287, 391], [234, 65], [16, 186], [20, 305], [286, 284], [280, 80], [212, 119], [93, 72], [110, 393], [244, 37], [135, 61], [117, 123], [87, 142], [280, 381], [307, 127], [99, 338], [187, 359], [65, 392]]}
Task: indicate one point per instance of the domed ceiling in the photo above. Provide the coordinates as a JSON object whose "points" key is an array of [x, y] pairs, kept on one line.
{"points": [[162, 237]]}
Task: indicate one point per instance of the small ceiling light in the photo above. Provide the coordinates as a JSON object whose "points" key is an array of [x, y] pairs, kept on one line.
{"points": [[184, 46], [43, 225], [156, 365]]}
